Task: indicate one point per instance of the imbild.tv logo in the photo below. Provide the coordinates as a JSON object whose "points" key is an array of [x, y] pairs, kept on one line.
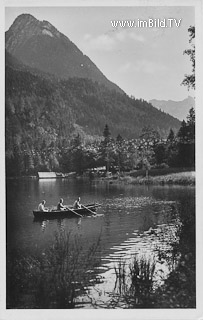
{"points": [[149, 23]]}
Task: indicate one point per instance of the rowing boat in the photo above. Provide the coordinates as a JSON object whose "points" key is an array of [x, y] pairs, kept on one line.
{"points": [[68, 212]]}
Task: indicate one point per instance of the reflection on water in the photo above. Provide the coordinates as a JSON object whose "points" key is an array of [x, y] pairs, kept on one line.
{"points": [[132, 220], [43, 225], [155, 243]]}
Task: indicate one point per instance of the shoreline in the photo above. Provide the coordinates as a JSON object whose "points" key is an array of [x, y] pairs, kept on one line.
{"points": [[185, 178]]}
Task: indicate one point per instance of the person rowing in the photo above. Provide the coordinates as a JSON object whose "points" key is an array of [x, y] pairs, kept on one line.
{"points": [[60, 205], [41, 206], [77, 204]]}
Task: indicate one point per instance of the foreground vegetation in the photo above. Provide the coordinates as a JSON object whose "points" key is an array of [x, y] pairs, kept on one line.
{"points": [[136, 283], [52, 280]]}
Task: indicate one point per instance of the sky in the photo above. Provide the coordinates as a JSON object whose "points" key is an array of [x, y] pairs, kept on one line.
{"points": [[146, 62]]}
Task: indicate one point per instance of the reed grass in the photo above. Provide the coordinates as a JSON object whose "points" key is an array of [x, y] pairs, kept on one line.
{"points": [[135, 284], [53, 280]]}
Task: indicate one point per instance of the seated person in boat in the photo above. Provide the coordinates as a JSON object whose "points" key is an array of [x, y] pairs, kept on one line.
{"points": [[77, 204], [60, 205], [41, 206]]}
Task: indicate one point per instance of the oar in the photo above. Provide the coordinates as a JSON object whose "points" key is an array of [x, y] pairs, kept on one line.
{"points": [[88, 209], [74, 212]]}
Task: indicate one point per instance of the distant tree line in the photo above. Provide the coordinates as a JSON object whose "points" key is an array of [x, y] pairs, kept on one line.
{"points": [[77, 154]]}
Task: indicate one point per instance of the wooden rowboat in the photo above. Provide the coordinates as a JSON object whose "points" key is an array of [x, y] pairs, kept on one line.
{"points": [[69, 212]]}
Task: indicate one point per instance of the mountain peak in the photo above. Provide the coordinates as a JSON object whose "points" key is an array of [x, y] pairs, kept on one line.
{"points": [[25, 27], [39, 45], [23, 21], [24, 17]]}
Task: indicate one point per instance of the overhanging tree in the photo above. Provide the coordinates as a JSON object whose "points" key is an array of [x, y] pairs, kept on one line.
{"points": [[189, 79]]}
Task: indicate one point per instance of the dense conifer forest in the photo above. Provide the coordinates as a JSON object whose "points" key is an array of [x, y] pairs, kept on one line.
{"points": [[44, 114]]}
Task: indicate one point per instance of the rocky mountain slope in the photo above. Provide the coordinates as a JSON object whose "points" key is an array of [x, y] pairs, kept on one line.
{"points": [[40, 45]]}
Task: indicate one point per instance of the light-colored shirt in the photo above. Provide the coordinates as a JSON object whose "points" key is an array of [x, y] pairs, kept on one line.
{"points": [[41, 207], [60, 206], [77, 204]]}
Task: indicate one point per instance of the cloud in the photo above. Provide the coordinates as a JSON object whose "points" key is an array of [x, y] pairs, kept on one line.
{"points": [[150, 67], [87, 36], [102, 42], [109, 41], [136, 37], [125, 35], [125, 68], [144, 66]]}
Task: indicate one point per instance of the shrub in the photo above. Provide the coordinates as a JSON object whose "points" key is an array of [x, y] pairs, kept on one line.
{"points": [[53, 280]]}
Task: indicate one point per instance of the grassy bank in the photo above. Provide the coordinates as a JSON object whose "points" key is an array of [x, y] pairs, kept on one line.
{"points": [[181, 178], [160, 171], [177, 176]]}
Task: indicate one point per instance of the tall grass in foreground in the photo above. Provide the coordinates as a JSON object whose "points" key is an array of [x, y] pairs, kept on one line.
{"points": [[179, 290], [135, 286], [53, 280]]}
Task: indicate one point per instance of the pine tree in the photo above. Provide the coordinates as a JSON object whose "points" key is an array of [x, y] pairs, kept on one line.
{"points": [[171, 136], [191, 125], [186, 141], [106, 133]]}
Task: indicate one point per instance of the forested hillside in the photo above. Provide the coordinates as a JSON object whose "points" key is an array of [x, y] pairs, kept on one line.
{"points": [[87, 103], [43, 113]]}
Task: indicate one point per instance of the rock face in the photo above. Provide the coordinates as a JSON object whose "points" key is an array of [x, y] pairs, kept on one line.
{"points": [[24, 27], [40, 45]]}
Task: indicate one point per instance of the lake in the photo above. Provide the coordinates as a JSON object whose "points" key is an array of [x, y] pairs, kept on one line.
{"points": [[132, 220]]}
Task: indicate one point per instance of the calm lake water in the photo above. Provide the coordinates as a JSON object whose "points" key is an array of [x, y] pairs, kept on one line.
{"points": [[142, 220]]}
